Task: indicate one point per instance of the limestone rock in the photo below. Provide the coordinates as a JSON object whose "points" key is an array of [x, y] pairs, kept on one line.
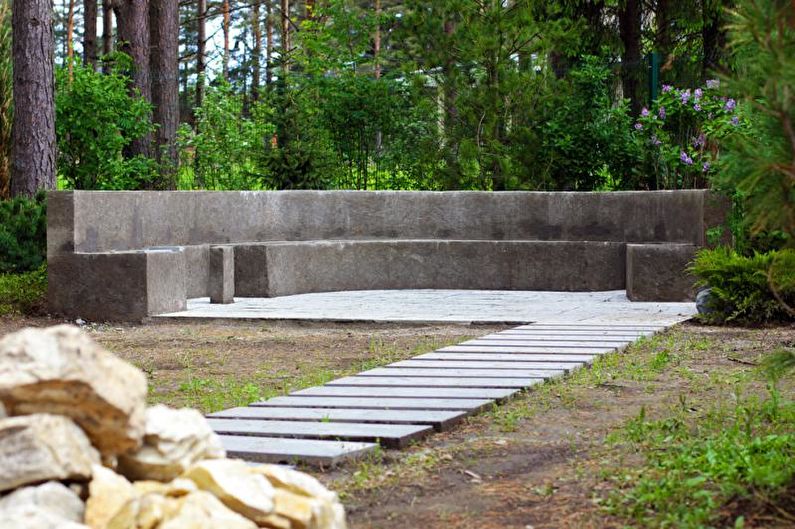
{"points": [[202, 510], [294, 481], [173, 441], [62, 371], [51, 496], [31, 517], [246, 493], [108, 494], [175, 489], [42, 447]]}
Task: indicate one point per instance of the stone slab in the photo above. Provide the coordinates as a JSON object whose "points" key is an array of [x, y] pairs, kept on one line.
{"points": [[375, 403], [390, 435], [449, 372], [526, 349], [292, 451], [440, 420], [660, 272], [419, 382], [221, 283], [478, 365], [540, 342], [520, 333], [590, 326], [534, 337], [411, 393], [506, 357]]}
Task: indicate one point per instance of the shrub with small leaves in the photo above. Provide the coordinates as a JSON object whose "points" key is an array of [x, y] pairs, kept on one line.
{"points": [[23, 234]]}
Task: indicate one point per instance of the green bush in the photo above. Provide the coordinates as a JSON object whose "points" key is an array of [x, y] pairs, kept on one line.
{"points": [[23, 293], [23, 234], [747, 289]]}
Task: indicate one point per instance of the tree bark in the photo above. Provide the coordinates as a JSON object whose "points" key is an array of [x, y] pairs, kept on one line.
{"points": [[256, 52], [629, 23], [107, 29], [226, 28], [70, 39], [90, 33], [33, 146], [201, 42], [164, 67], [714, 38], [133, 30], [285, 5], [269, 42]]}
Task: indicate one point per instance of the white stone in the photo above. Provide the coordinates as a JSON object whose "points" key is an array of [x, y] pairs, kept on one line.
{"points": [[30, 517], [62, 371], [51, 496], [173, 441]]}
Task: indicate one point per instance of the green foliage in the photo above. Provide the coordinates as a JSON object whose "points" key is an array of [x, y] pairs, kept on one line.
{"points": [[95, 120], [747, 289], [224, 148], [760, 165], [692, 470], [23, 234], [24, 293]]}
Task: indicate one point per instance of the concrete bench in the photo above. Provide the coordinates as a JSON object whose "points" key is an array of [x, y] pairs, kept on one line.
{"points": [[129, 255]]}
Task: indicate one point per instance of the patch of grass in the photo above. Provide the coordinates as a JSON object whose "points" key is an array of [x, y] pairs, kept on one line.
{"points": [[698, 465], [24, 293]]}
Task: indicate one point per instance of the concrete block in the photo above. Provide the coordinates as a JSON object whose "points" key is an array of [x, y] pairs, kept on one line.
{"points": [[251, 270], [657, 272], [222, 274]]}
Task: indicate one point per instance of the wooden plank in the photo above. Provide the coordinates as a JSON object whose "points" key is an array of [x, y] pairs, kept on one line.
{"points": [[532, 342], [419, 382], [505, 357], [293, 451], [557, 337], [567, 332], [440, 420], [375, 403], [411, 393], [476, 365], [516, 349], [460, 373], [389, 435], [592, 326]]}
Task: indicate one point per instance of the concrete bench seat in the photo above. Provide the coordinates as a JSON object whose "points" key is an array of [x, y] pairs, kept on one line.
{"points": [[129, 255]]}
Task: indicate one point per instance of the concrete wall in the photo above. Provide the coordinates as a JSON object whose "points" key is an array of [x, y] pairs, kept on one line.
{"points": [[102, 264]]}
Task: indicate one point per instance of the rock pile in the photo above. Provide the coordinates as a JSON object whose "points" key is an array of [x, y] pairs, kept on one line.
{"points": [[79, 449]]}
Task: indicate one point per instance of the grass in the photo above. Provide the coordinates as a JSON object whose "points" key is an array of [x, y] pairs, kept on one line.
{"points": [[23, 293]]}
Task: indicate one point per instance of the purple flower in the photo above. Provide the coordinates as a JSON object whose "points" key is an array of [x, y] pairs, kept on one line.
{"points": [[685, 159], [685, 96], [655, 141], [713, 83], [699, 141], [667, 88], [729, 106], [644, 112], [735, 121], [697, 94], [705, 167], [638, 126], [697, 107], [661, 112]]}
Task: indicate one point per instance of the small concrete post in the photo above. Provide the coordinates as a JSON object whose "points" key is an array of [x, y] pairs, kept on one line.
{"points": [[222, 274]]}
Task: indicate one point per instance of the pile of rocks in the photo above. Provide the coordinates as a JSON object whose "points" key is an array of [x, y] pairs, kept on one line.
{"points": [[79, 449]]}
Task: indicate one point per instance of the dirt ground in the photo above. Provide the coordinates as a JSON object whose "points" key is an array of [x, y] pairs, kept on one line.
{"points": [[541, 461]]}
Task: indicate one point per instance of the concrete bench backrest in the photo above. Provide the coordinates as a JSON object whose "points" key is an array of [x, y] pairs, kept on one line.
{"points": [[91, 221]]}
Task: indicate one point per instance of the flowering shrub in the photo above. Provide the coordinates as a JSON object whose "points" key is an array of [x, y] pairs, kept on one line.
{"points": [[680, 134]]}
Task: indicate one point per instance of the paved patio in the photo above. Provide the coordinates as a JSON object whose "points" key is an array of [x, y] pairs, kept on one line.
{"points": [[459, 306]]}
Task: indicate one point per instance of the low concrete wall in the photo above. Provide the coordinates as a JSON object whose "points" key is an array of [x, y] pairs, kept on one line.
{"points": [[405, 240]]}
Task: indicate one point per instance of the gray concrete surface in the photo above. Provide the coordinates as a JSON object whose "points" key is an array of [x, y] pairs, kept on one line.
{"points": [[658, 272], [222, 274], [460, 306]]}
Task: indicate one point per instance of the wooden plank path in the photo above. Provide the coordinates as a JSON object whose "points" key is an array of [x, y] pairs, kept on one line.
{"points": [[405, 401]]}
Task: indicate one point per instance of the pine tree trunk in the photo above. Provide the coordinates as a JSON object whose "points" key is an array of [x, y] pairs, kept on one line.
{"points": [[256, 52], [164, 67], [226, 28], [33, 131], [107, 30], [201, 42], [285, 8], [714, 39], [90, 32], [269, 42], [629, 20], [70, 40], [133, 29]]}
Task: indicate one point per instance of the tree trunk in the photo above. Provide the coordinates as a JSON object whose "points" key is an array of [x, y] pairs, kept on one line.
{"points": [[33, 131], [377, 40], [714, 38], [107, 30], [256, 52], [133, 30], [662, 37], [90, 33], [201, 41], [269, 42], [164, 66], [226, 24], [285, 4], [70, 40], [631, 72]]}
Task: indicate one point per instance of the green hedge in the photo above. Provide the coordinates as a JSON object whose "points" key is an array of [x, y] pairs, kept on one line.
{"points": [[23, 293], [747, 289], [23, 234]]}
